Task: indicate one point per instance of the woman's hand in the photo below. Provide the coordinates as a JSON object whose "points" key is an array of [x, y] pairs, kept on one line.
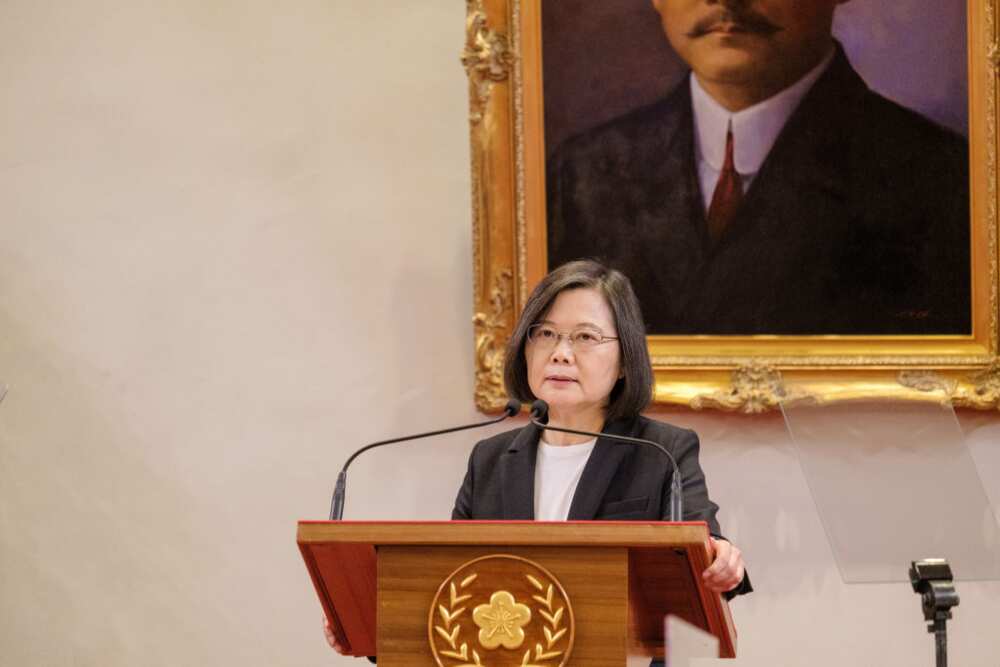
{"points": [[726, 571], [331, 638]]}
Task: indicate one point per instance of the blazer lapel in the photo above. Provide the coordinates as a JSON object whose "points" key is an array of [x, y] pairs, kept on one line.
{"points": [[598, 473], [671, 224], [809, 162], [517, 475]]}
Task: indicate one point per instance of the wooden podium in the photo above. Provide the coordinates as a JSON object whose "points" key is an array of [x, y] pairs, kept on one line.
{"points": [[523, 593]]}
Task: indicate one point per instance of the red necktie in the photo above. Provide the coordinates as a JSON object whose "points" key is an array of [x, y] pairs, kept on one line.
{"points": [[727, 196]]}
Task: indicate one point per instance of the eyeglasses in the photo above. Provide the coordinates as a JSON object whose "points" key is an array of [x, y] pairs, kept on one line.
{"points": [[545, 336]]}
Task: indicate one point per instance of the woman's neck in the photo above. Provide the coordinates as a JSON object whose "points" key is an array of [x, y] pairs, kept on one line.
{"points": [[580, 421]]}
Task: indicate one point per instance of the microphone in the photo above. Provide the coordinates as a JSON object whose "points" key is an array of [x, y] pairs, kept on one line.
{"points": [[340, 490], [540, 413]]}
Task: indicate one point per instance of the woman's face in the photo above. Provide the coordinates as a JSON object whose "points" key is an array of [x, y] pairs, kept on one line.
{"points": [[575, 378]]}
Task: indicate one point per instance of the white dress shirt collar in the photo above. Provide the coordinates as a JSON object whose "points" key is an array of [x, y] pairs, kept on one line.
{"points": [[755, 129]]}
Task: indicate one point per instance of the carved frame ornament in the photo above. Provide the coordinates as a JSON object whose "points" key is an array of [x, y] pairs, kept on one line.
{"points": [[502, 58]]}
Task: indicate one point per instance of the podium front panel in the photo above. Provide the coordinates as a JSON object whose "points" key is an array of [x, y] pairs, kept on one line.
{"points": [[502, 606]]}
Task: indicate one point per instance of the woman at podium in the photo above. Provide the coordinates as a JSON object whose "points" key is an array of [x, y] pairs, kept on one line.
{"points": [[580, 346]]}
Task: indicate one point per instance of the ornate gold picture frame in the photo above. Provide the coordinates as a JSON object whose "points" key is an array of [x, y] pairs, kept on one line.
{"points": [[503, 60]]}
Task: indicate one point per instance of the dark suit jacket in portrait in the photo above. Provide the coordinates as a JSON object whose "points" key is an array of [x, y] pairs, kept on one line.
{"points": [[856, 223], [620, 482]]}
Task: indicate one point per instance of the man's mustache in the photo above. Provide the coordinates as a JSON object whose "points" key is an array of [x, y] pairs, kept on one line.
{"points": [[743, 20]]}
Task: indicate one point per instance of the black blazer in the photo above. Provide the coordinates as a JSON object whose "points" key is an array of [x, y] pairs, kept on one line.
{"points": [[856, 223], [620, 482]]}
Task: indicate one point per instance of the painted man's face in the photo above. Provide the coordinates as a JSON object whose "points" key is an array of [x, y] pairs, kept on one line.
{"points": [[747, 42]]}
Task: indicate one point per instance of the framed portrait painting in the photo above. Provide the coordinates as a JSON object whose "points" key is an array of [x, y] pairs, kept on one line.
{"points": [[802, 194]]}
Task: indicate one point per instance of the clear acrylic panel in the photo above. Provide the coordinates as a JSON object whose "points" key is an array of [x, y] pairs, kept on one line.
{"points": [[894, 482]]}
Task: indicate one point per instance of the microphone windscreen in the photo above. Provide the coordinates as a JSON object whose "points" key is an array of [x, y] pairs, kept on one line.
{"points": [[513, 407], [540, 410]]}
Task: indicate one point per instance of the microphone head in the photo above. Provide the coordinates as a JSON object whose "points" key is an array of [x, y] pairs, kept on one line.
{"points": [[513, 407], [540, 411]]}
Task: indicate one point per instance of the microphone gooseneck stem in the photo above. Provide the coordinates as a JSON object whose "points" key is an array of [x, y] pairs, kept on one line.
{"points": [[676, 484], [340, 490]]}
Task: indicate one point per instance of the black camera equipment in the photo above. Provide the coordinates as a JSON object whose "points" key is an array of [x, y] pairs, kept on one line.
{"points": [[932, 580]]}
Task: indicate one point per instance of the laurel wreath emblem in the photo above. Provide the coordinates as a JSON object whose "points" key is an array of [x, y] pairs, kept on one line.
{"points": [[449, 614], [552, 630], [454, 611]]}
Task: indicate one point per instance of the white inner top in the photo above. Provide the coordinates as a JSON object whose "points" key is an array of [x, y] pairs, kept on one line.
{"points": [[755, 129], [557, 473]]}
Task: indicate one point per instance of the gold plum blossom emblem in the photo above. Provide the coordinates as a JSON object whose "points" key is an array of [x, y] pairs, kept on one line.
{"points": [[523, 617], [501, 621]]}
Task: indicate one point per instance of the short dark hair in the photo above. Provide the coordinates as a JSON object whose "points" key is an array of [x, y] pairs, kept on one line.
{"points": [[633, 392]]}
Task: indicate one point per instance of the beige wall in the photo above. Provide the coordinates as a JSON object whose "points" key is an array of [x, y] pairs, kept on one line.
{"points": [[234, 244]]}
